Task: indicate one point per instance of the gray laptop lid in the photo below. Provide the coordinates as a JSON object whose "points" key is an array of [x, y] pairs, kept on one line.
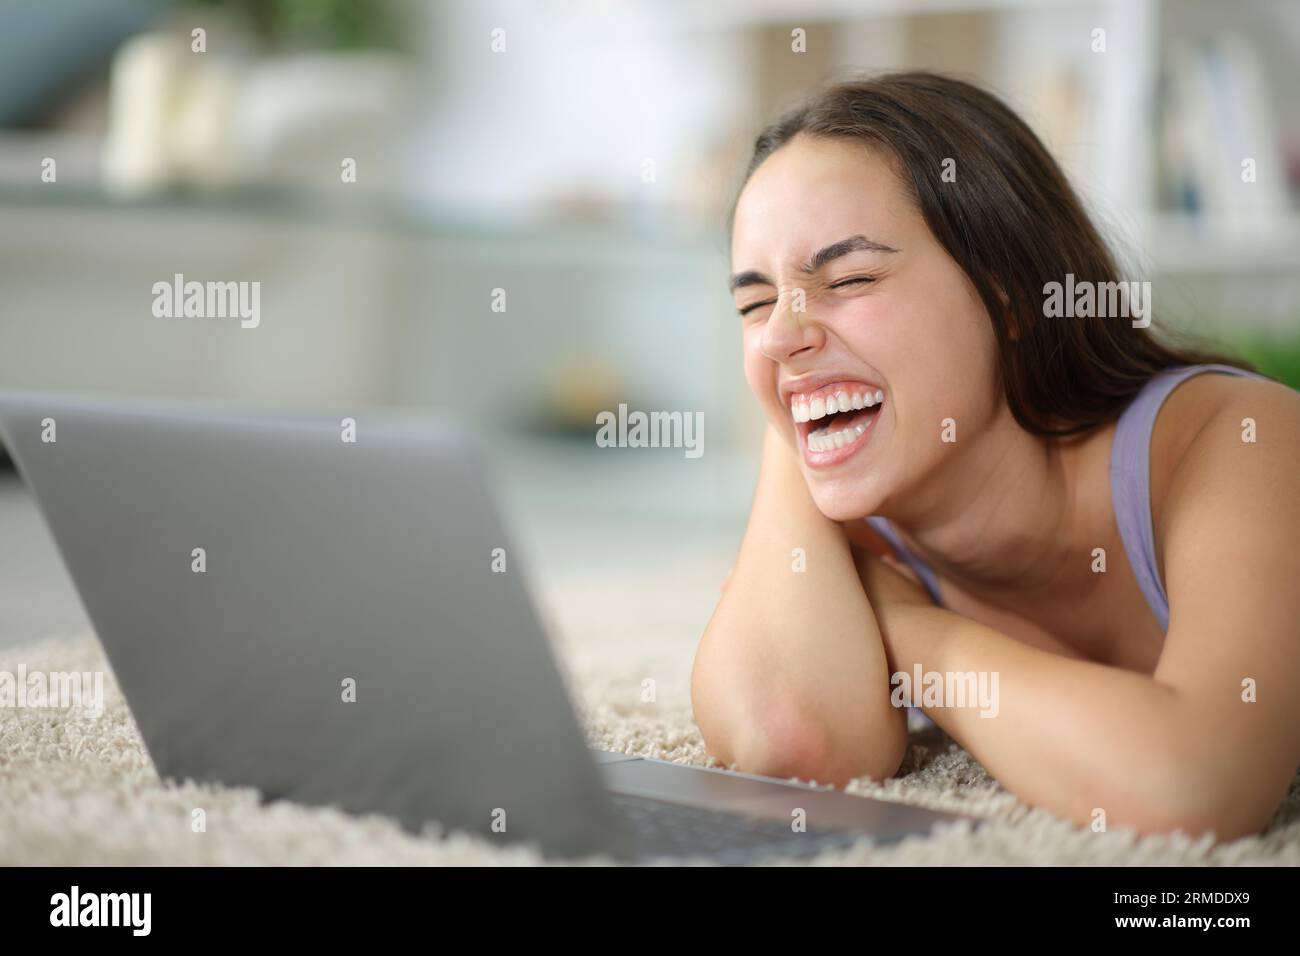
{"points": [[326, 562]]}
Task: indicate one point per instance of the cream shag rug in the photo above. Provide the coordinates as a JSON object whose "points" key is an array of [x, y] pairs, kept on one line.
{"points": [[83, 792]]}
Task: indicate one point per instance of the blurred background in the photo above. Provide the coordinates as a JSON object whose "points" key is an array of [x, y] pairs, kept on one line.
{"points": [[393, 172]]}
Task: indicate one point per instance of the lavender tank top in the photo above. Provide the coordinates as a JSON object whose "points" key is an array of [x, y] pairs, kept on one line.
{"points": [[1130, 489]]}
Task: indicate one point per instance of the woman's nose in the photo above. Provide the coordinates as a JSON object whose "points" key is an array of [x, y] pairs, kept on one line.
{"points": [[789, 329]]}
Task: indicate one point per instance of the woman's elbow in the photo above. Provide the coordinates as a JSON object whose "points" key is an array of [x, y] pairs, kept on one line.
{"points": [[754, 721], [1223, 805], [807, 749], [1190, 798], [783, 739]]}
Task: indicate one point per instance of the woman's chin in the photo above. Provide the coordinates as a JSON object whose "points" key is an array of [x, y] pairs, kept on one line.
{"points": [[844, 503]]}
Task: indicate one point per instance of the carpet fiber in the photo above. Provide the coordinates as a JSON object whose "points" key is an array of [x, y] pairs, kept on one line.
{"points": [[78, 791]]}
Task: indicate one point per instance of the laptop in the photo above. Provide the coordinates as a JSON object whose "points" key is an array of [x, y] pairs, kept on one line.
{"points": [[328, 621]]}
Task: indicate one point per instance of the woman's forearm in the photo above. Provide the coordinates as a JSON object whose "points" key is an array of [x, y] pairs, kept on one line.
{"points": [[1071, 736], [791, 677]]}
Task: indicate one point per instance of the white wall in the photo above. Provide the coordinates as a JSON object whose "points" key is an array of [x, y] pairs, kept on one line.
{"points": [[583, 94]]}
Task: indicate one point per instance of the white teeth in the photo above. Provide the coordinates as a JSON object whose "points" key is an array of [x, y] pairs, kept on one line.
{"points": [[833, 404], [823, 441]]}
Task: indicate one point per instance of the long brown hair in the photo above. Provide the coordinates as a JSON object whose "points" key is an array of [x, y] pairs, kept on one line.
{"points": [[1013, 223]]}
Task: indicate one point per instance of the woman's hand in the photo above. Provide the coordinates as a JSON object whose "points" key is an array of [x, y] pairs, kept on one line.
{"points": [[887, 582], [884, 577]]}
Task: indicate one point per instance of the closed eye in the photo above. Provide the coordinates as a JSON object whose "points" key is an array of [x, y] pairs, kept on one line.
{"points": [[754, 305], [843, 283], [855, 280]]}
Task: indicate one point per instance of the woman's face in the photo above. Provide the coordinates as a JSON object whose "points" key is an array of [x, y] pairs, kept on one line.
{"points": [[850, 304]]}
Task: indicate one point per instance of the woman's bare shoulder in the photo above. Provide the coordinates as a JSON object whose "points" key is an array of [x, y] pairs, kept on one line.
{"points": [[1236, 407], [1201, 398], [1210, 423]]}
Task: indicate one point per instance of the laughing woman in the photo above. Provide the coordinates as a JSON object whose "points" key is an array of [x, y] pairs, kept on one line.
{"points": [[982, 483]]}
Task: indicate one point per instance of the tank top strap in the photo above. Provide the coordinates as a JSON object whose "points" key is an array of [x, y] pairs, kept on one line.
{"points": [[885, 528], [1130, 478]]}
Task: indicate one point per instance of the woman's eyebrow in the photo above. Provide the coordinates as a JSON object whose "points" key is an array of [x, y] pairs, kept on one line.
{"points": [[822, 256], [857, 243], [741, 279]]}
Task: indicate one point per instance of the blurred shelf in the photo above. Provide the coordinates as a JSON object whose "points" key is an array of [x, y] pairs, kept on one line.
{"points": [[1177, 244], [365, 211], [752, 13]]}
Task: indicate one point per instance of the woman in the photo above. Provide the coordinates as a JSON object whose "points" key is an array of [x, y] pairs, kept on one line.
{"points": [[1099, 525]]}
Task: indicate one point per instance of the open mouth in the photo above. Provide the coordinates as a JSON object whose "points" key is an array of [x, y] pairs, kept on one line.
{"points": [[833, 419]]}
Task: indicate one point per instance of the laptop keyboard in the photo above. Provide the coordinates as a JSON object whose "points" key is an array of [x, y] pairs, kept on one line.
{"points": [[674, 830]]}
